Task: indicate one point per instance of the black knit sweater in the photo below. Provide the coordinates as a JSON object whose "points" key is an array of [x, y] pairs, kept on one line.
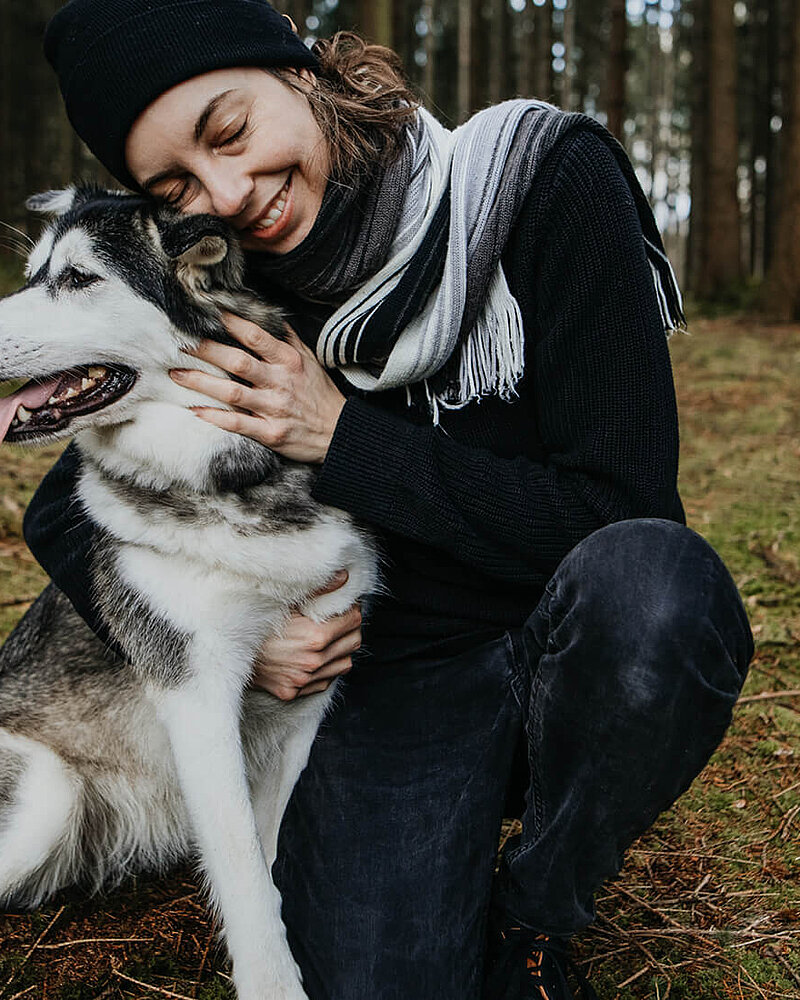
{"points": [[473, 516]]}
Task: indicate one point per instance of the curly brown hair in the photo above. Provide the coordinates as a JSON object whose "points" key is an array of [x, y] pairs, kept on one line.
{"points": [[361, 101]]}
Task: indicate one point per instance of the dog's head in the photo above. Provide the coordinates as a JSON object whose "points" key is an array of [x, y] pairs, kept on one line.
{"points": [[116, 286]]}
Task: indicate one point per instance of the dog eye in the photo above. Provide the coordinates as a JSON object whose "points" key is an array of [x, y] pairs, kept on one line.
{"points": [[73, 278]]}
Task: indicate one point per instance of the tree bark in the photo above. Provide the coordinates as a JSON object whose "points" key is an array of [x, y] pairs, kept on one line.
{"points": [[375, 19], [568, 76], [616, 68], [542, 49], [498, 55], [465, 23], [721, 270], [37, 139], [782, 286], [698, 181]]}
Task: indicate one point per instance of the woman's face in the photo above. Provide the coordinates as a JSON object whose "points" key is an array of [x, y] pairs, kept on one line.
{"points": [[240, 144]]}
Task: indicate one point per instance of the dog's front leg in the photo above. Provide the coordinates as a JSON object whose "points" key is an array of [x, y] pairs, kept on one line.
{"points": [[202, 719]]}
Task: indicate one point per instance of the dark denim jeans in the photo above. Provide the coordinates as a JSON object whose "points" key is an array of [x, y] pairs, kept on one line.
{"points": [[620, 686]]}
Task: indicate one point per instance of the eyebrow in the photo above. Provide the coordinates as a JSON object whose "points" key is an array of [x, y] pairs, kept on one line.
{"points": [[199, 129], [208, 111]]}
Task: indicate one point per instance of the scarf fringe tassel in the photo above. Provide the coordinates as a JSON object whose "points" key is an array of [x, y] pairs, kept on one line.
{"points": [[491, 359]]}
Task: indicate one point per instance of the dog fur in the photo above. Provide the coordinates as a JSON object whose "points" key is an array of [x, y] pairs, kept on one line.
{"points": [[206, 541]]}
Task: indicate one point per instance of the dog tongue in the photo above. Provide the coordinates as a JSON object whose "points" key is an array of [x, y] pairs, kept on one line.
{"points": [[31, 396]]}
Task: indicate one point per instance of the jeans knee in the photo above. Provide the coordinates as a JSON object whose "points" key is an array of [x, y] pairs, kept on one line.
{"points": [[654, 591]]}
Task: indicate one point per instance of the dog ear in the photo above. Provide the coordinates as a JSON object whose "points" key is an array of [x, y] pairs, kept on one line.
{"points": [[53, 203], [195, 240]]}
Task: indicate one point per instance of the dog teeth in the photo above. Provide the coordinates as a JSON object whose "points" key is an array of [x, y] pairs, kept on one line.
{"points": [[97, 371], [87, 383], [70, 393], [22, 414], [52, 400]]}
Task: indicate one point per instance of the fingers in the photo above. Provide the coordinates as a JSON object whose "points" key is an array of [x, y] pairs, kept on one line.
{"points": [[266, 346], [288, 686], [233, 360], [339, 579], [316, 687], [257, 428], [321, 636], [223, 389]]}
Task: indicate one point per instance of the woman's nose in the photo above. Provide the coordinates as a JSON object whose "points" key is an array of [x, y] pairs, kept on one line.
{"points": [[228, 191]]}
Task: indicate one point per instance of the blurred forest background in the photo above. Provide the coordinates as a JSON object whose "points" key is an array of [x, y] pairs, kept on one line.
{"points": [[704, 94]]}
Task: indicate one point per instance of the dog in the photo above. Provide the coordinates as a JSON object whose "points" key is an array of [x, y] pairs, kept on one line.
{"points": [[113, 762]]}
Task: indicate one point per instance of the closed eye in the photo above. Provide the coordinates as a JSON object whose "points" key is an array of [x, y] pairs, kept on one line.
{"points": [[238, 134]]}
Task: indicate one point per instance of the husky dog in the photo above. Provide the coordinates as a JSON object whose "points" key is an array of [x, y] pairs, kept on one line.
{"points": [[207, 540]]}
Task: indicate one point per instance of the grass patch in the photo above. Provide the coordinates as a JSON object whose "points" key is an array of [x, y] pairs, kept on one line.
{"points": [[708, 905]]}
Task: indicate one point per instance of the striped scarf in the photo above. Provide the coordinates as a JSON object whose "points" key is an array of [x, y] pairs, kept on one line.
{"points": [[433, 305]]}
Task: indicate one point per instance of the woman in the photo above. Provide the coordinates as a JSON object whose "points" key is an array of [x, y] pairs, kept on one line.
{"points": [[495, 400]]}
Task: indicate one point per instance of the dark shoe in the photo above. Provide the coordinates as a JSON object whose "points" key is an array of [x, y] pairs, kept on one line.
{"points": [[525, 965]]}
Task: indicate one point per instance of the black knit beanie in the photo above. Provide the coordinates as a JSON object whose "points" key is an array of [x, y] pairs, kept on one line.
{"points": [[115, 57]]}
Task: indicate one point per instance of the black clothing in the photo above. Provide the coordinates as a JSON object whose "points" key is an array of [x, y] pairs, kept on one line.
{"points": [[474, 516], [617, 689]]}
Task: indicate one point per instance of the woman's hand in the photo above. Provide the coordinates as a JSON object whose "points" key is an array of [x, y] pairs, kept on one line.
{"points": [[290, 405], [309, 655]]}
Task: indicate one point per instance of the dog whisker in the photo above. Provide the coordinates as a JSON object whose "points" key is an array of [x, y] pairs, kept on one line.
{"points": [[26, 240]]}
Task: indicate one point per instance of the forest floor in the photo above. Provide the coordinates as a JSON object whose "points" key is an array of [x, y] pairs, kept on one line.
{"points": [[708, 905]]}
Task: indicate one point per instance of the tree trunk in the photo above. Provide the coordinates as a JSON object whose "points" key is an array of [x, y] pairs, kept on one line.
{"points": [[721, 270], [524, 46], [465, 23], [568, 76], [375, 21], [429, 71], [783, 280], [698, 182], [616, 68], [37, 139], [498, 55], [542, 48]]}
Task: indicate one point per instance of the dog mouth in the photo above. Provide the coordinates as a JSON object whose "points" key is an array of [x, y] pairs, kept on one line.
{"points": [[46, 406]]}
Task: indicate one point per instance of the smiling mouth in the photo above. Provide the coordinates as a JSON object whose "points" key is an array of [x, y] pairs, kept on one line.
{"points": [[48, 406], [270, 221]]}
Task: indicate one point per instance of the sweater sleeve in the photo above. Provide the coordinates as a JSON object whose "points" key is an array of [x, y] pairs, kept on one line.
{"points": [[597, 385], [60, 535]]}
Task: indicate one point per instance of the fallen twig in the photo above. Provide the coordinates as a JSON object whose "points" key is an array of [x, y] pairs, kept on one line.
{"points": [[69, 944], [676, 925], [22, 994], [634, 977], [654, 963], [792, 972], [766, 695], [31, 950], [149, 986]]}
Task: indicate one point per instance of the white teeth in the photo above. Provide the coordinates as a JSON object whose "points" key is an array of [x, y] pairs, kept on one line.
{"points": [[52, 400], [87, 383], [97, 372], [23, 415], [70, 393], [275, 213]]}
